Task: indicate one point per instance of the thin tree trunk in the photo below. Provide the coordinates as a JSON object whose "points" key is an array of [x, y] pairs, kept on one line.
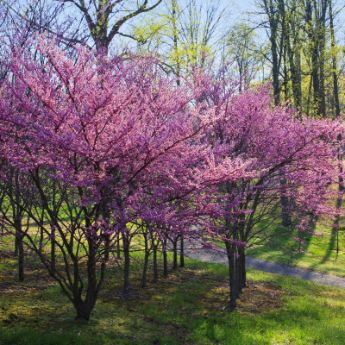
{"points": [[155, 264], [340, 196], [322, 91], [242, 268], [322, 42], [146, 262], [334, 63], [20, 255], [339, 202], [165, 258], [40, 243], [15, 252], [53, 250], [233, 275], [175, 254], [118, 246], [175, 39], [310, 87], [275, 72], [126, 268], [182, 251], [83, 310], [294, 56]]}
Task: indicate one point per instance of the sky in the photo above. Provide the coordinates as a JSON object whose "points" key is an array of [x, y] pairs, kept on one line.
{"points": [[241, 10], [246, 11], [239, 6]]}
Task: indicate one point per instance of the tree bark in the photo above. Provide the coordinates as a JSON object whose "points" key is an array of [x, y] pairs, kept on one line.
{"points": [[52, 250], [339, 203], [182, 251], [165, 258], [155, 264], [146, 262], [175, 254], [118, 246], [126, 267], [233, 275], [20, 255], [83, 310], [334, 63], [242, 268]]}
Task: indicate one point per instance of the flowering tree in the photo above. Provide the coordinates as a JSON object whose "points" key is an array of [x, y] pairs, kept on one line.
{"points": [[276, 146], [108, 150], [100, 140]]}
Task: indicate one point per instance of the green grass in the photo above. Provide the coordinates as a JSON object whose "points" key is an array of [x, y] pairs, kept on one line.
{"points": [[317, 254], [186, 308]]}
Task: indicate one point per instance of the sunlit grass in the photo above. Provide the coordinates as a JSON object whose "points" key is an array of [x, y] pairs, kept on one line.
{"points": [[185, 308], [317, 253]]}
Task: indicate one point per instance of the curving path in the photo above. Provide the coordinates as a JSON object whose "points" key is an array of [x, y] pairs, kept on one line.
{"points": [[196, 251]]}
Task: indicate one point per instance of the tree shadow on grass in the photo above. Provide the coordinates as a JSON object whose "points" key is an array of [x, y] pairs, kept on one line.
{"points": [[331, 248], [165, 313], [187, 308]]}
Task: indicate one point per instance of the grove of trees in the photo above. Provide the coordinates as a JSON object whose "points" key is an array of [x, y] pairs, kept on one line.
{"points": [[175, 139]]}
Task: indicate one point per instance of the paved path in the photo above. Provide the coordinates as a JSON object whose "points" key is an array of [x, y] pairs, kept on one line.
{"points": [[196, 251]]}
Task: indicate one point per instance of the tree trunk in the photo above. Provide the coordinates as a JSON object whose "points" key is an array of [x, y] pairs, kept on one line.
{"points": [[40, 243], [275, 71], [20, 247], [15, 252], [155, 264], [242, 268], [146, 262], [175, 39], [322, 91], [276, 14], [126, 268], [175, 254], [165, 258], [233, 275], [334, 63], [83, 310], [340, 196], [52, 251], [118, 246], [294, 56], [321, 25], [182, 251], [339, 203]]}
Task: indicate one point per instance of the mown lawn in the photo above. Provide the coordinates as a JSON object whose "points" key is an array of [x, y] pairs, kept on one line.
{"points": [[318, 252], [186, 308]]}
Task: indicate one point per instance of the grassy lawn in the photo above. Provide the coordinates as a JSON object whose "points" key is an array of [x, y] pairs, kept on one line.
{"points": [[186, 308], [316, 255]]}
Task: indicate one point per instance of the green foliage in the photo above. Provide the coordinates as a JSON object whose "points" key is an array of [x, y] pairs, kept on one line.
{"points": [[150, 30]]}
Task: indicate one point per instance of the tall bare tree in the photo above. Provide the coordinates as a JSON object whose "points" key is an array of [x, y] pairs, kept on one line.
{"points": [[106, 18]]}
